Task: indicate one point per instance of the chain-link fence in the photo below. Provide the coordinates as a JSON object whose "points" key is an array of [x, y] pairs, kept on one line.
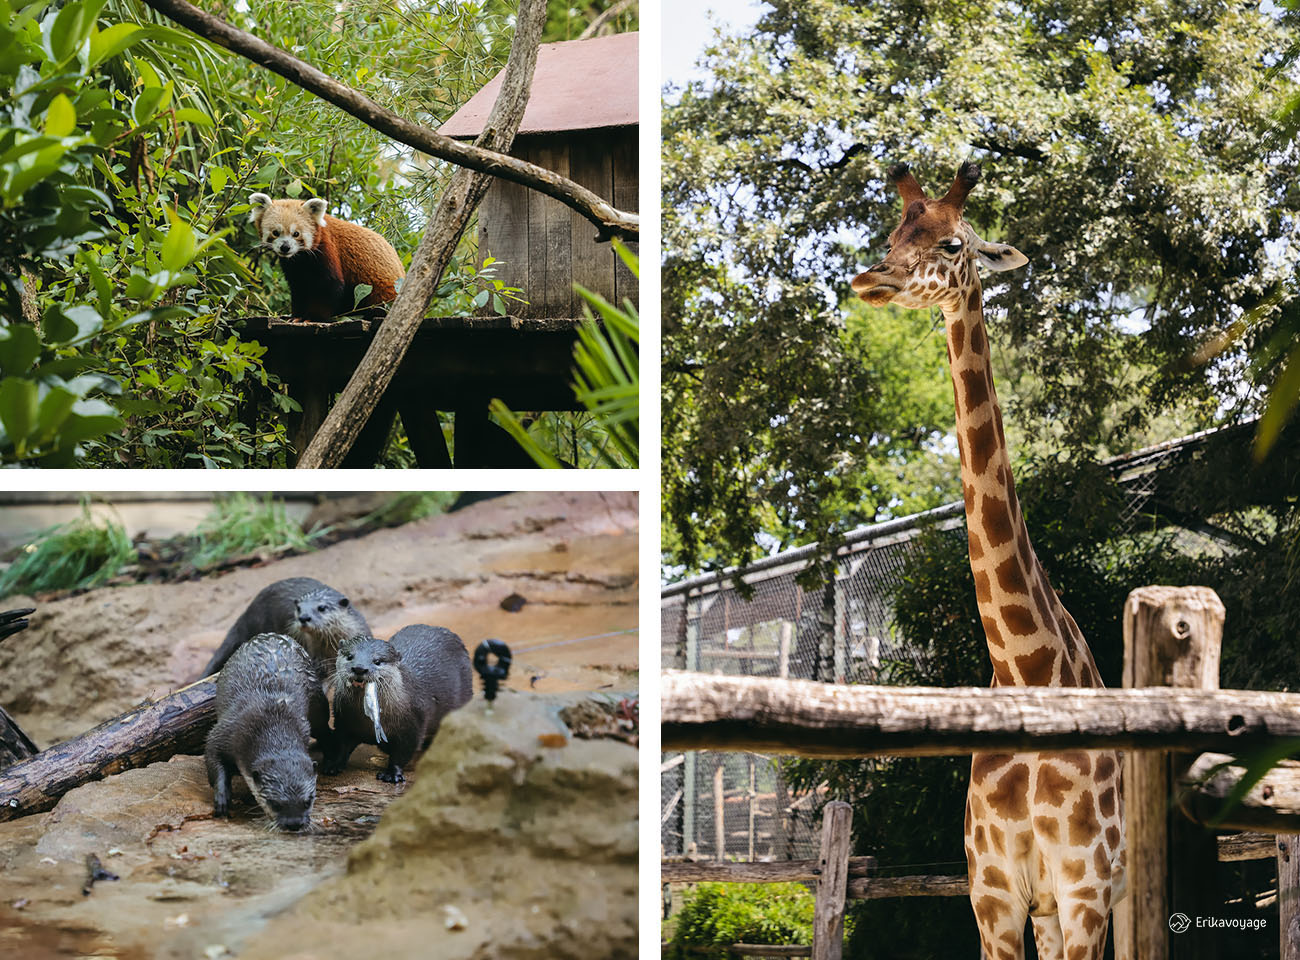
{"points": [[737, 806]]}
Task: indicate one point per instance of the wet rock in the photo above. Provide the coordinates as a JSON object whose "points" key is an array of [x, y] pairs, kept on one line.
{"points": [[535, 847]]}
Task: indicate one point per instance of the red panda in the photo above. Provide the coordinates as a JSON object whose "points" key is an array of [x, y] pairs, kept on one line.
{"points": [[324, 258]]}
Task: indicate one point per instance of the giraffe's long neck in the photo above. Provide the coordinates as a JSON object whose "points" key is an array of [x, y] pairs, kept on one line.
{"points": [[1032, 639]]}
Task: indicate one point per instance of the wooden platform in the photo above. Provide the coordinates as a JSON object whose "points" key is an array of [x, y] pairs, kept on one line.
{"points": [[455, 365]]}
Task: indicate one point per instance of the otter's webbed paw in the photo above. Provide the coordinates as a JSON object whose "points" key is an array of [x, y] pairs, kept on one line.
{"points": [[391, 774]]}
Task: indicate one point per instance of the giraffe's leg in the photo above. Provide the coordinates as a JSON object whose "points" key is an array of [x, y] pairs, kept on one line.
{"points": [[1000, 917], [1048, 937], [1083, 925]]}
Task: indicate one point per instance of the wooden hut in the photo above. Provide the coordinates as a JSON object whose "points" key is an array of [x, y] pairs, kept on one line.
{"points": [[581, 122]]}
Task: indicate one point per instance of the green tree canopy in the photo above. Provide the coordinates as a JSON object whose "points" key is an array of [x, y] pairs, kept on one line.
{"points": [[1124, 153]]}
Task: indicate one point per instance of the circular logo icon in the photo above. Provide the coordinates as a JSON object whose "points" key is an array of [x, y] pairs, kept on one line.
{"points": [[1180, 922]]}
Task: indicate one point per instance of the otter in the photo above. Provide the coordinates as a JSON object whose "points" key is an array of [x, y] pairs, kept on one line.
{"points": [[419, 677], [269, 705], [317, 616]]}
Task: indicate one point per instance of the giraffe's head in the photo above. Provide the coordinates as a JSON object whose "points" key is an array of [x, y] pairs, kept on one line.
{"points": [[933, 251]]}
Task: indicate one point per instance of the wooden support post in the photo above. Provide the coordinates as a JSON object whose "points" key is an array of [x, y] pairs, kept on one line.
{"points": [[832, 882], [752, 797], [782, 848], [719, 813], [1172, 637], [1288, 890], [783, 661]]}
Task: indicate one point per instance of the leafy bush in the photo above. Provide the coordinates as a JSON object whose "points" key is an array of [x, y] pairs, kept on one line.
{"points": [[81, 553], [720, 914]]}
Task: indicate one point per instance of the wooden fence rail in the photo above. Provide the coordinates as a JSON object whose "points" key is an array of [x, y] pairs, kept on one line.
{"points": [[804, 718]]}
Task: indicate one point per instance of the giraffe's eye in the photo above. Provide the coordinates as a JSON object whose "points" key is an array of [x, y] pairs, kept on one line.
{"points": [[951, 246]]}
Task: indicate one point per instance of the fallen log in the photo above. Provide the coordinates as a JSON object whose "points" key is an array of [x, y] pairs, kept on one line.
{"points": [[178, 723], [759, 715]]}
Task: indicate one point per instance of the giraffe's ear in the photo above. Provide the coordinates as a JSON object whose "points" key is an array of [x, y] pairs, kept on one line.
{"points": [[998, 256]]}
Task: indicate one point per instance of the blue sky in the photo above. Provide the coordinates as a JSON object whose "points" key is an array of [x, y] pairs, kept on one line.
{"points": [[689, 25]]}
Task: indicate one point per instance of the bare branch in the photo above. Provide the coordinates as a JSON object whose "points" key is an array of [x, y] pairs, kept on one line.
{"points": [[608, 220]]}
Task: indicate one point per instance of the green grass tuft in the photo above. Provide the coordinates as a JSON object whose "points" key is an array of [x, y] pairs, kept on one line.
{"points": [[242, 524], [81, 553]]}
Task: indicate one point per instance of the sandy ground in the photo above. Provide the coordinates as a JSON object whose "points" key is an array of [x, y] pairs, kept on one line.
{"points": [[571, 556], [194, 887]]}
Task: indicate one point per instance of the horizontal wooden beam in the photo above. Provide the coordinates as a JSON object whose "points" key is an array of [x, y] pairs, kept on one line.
{"points": [[774, 871], [1247, 846], [882, 888], [760, 715], [1271, 806]]}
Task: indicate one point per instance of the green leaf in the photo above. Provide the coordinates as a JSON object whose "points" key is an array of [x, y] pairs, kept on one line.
{"points": [[178, 247], [191, 115], [61, 117], [71, 325], [111, 42], [19, 347], [481, 299], [103, 292], [359, 293], [516, 429], [1282, 400], [89, 418], [217, 177], [18, 404], [294, 188], [70, 29], [54, 409], [146, 105]]}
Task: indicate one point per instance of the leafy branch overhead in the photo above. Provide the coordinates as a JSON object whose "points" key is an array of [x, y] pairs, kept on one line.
{"points": [[1126, 151], [611, 222]]}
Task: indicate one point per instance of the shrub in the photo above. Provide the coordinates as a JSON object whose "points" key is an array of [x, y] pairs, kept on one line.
{"points": [[720, 914]]}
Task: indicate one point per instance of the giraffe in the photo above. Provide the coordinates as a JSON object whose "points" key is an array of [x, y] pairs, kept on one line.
{"points": [[1044, 832]]}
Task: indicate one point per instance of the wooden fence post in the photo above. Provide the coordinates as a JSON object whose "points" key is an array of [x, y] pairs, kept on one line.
{"points": [[1288, 889], [719, 811], [1172, 637], [832, 882]]}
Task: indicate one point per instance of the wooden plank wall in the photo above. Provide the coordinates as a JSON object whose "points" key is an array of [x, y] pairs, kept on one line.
{"points": [[544, 246]]}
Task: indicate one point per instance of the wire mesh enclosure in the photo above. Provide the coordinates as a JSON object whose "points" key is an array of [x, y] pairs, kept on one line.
{"points": [[738, 806]]}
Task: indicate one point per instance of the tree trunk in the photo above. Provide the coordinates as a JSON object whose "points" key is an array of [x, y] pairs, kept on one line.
{"points": [[379, 365]]}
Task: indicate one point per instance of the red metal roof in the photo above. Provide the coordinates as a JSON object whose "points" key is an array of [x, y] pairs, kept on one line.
{"points": [[578, 85]]}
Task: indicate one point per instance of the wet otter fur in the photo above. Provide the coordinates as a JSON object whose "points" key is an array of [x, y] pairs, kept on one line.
{"points": [[316, 615], [269, 705], [420, 676]]}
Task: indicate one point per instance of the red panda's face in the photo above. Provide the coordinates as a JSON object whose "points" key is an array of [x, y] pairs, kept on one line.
{"points": [[287, 227]]}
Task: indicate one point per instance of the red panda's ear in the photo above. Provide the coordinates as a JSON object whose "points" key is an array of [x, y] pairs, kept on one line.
{"points": [[316, 210], [260, 202]]}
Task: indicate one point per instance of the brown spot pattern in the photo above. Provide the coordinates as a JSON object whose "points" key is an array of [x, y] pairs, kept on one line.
{"points": [[999, 840], [1048, 827], [981, 841], [981, 443], [1088, 918], [973, 544], [1084, 893], [1010, 799], [977, 338], [1077, 759], [986, 763], [1066, 679], [1036, 668], [1112, 836], [975, 388], [958, 338], [1105, 767], [1101, 861], [1011, 578], [993, 877], [1019, 620], [973, 301], [1083, 823], [992, 631], [1072, 870], [989, 909], [1052, 786], [1106, 802], [1002, 673], [983, 591], [996, 521]]}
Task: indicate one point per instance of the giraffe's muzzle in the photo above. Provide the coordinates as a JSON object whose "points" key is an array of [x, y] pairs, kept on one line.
{"points": [[875, 285]]}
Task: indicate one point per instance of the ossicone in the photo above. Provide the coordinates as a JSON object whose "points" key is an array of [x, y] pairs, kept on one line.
{"points": [[968, 174]]}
